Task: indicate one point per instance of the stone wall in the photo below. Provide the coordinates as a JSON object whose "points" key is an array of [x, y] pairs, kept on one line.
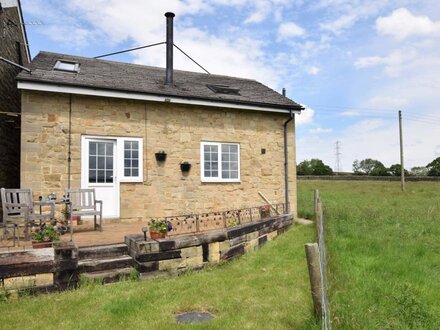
{"points": [[177, 129], [12, 47]]}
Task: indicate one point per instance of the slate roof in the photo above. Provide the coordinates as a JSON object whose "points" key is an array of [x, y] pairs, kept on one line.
{"points": [[126, 77]]}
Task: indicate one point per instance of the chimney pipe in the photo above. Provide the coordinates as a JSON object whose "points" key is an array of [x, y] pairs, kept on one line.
{"points": [[169, 72]]}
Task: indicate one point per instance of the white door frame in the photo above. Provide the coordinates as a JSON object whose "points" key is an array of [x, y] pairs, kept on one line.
{"points": [[84, 167]]}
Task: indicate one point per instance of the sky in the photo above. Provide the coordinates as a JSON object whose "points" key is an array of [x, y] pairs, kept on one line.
{"points": [[351, 63]]}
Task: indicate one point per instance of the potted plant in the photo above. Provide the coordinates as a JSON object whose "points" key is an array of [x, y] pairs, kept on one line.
{"points": [[185, 166], [161, 156], [159, 227], [67, 216], [44, 236], [265, 211]]}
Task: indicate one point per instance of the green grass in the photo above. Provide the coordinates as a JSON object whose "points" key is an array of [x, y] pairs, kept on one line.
{"points": [[384, 252], [266, 289]]}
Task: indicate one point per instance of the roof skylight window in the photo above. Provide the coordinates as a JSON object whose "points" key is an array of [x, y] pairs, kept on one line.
{"points": [[67, 66], [223, 89]]}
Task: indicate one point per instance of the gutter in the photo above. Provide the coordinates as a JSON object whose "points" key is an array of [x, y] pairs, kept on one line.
{"points": [[70, 89], [286, 162]]}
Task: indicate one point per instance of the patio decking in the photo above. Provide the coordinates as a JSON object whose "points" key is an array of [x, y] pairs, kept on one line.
{"points": [[112, 233]]}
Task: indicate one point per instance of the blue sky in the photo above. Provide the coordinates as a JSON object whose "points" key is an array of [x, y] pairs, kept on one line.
{"points": [[352, 63]]}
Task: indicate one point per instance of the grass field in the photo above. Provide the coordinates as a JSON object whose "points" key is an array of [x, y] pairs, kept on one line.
{"points": [[384, 252], [267, 289]]}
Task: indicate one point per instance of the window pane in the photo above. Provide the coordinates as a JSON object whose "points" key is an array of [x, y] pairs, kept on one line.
{"points": [[92, 176], [92, 147], [127, 163], [127, 172], [127, 153], [225, 166], [101, 162], [214, 157], [225, 175], [214, 174], [234, 166], [134, 154], [135, 172], [109, 163], [234, 174], [134, 163], [92, 162], [233, 148], [100, 176], [109, 176], [109, 150], [207, 174], [101, 148]]}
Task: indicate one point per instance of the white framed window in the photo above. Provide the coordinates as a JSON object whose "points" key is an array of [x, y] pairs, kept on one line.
{"points": [[130, 159], [220, 162]]}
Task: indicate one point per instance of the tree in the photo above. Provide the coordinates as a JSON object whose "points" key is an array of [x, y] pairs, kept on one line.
{"points": [[434, 167], [369, 167], [313, 167], [419, 171], [395, 169]]}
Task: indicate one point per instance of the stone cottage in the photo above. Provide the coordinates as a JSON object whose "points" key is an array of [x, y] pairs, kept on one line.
{"points": [[96, 123]]}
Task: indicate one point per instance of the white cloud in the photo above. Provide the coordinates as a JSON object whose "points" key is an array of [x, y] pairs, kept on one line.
{"points": [[306, 116], [320, 130], [402, 24], [313, 70], [394, 62], [387, 102], [342, 23], [349, 113], [290, 30]]}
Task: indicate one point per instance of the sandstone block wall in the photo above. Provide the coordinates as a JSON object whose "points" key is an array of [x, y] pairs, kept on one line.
{"points": [[176, 129]]}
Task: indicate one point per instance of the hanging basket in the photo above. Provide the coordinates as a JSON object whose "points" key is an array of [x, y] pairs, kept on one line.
{"points": [[185, 167], [160, 156]]}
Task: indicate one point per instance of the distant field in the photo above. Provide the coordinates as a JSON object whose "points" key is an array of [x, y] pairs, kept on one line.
{"points": [[384, 249]]}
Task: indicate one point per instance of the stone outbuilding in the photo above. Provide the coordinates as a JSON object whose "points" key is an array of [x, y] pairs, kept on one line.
{"points": [[96, 123], [14, 52]]}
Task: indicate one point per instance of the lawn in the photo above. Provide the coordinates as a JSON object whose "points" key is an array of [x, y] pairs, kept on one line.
{"points": [[384, 252], [266, 289]]}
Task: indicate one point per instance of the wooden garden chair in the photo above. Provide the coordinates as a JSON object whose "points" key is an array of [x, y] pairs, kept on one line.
{"points": [[84, 203], [18, 209]]}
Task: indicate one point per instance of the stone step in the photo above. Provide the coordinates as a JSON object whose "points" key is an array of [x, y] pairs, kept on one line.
{"points": [[102, 251], [109, 276], [95, 265]]}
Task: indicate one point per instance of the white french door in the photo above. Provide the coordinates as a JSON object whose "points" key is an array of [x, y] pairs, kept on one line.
{"points": [[99, 171]]}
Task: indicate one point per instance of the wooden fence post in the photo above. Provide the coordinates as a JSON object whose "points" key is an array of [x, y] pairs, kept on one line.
{"points": [[312, 254], [316, 200]]}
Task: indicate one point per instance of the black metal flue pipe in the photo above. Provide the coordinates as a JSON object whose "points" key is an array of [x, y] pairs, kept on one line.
{"points": [[169, 72]]}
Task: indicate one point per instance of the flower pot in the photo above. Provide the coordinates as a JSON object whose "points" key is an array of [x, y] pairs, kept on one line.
{"points": [[185, 167], [76, 218], [160, 156], [41, 244], [157, 234]]}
